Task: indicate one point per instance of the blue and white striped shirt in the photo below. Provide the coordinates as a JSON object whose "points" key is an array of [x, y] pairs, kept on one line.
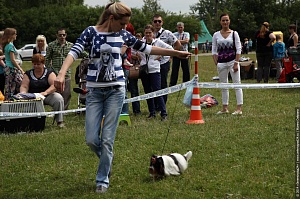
{"points": [[92, 40]]}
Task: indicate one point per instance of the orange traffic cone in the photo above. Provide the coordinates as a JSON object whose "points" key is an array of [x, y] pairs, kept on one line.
{"points": [[196, 113]]}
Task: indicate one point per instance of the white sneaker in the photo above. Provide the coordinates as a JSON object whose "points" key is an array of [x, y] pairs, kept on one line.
{"points": [[237, 113], [222, 112]]}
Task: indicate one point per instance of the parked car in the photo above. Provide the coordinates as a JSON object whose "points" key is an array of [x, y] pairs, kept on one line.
{"points": [[26, 51]]}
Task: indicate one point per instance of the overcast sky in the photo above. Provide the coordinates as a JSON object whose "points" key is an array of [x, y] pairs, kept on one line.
{"points": [[167, 5]]}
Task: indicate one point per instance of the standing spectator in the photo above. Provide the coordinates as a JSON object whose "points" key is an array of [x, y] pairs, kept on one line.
{"points": [[2, 66], [151, 81], [264, 51], [183, 38], [250, 44], [57, 51], [40, 79], [293, 39], [207, 46], [246, 46], [203, 47], [169, 38], [106, 96], [41, 45], [226, 50], [126, 66], [13, 70], [278, 54], [133, 83]]}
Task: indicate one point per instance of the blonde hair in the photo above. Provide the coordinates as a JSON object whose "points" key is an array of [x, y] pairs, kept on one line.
{"points": [[40, 37], [117, 9], [264, 28]]}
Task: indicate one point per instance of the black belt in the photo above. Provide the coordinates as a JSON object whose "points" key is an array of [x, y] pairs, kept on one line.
{"points": [[107, 88]]}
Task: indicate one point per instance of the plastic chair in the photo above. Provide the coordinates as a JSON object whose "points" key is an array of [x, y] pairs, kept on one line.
{"points": [[125, 118]]}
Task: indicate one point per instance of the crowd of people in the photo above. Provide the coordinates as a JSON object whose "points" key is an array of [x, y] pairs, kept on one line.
{"points": [[40, 79], [112, 47]]}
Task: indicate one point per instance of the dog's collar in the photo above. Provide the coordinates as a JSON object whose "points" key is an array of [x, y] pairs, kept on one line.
{"points": [[176, 161]]}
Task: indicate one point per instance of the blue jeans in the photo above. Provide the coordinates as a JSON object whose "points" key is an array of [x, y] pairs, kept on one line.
{"points": [[107, 103], [279, 65]]}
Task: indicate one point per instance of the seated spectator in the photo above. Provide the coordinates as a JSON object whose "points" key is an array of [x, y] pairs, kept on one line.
{"points": [[40, 80], [41, 45]]}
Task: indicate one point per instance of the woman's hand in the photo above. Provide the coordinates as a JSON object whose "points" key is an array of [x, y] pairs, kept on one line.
{"points": [[235, 67], [158, 57], [44, 94], [183, 54]]}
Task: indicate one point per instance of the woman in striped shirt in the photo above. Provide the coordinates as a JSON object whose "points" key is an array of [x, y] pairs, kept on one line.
{"points": [[105, 96]]}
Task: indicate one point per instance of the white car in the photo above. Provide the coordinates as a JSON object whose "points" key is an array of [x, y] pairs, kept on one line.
{"points": [[26, 51]]}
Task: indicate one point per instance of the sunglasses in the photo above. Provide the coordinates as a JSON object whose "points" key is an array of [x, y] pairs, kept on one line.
{"points": [[61, 35], [155, 21]]}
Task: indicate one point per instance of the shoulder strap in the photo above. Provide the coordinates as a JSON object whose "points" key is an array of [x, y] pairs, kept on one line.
{"points": [[148, 56], [233, 40], [158, 35]]}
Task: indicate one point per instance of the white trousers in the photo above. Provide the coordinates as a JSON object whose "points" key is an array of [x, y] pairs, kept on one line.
{"points": [[223, 70]]}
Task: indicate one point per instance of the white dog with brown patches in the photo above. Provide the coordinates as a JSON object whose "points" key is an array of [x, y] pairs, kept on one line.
{"points": [[166, 165]]}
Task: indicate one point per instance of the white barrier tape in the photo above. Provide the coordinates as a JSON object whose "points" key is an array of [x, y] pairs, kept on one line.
{"points": [[165, 91], [247, 86], [196, 58], [11, 114]]}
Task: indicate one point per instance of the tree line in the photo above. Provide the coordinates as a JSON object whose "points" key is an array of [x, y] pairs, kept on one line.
{"points": [[247, 16], [32, 18]]}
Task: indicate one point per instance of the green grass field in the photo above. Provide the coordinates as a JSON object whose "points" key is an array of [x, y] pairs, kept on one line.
{"points": [[249, 156]]}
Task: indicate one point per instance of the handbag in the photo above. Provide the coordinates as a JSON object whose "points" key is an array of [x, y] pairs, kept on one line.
{"points": [[134, 72], [144, 70]]}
